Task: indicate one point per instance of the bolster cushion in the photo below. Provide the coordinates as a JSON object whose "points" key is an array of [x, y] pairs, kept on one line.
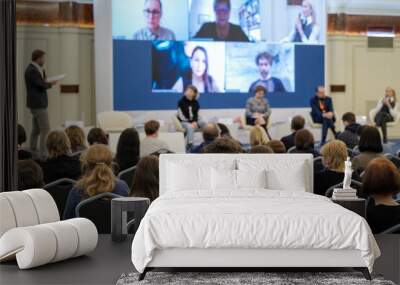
{"points": [[37, 245]]}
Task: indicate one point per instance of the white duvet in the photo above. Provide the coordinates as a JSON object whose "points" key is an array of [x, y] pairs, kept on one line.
{"points": [[250, 219]]}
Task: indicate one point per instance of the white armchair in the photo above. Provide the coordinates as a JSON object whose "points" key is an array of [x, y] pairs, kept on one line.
{"points": [[31, 231], [113, 121], [373, 113]]}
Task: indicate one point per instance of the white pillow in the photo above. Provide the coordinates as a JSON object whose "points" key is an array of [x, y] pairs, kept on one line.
{"points": [[251, 178], [279, 180], [282, 173], [223, 179], [187, 177]]}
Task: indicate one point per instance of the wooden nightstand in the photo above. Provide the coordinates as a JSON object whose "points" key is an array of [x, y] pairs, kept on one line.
{"points": [[357, 205]]}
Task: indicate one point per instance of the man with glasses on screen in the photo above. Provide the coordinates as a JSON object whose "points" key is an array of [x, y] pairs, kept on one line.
{"points": [[272, 84], [152, 12]]}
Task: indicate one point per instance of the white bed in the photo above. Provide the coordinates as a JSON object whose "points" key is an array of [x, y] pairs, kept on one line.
{"points": [[247, 211]]}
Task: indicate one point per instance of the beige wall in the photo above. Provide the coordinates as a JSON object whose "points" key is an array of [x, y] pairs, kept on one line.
{"points": [[366, 72], [70, 51]]}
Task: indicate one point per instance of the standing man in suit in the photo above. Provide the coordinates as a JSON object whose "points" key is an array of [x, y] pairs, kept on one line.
{"points": [[36, 89], [322, 112]]}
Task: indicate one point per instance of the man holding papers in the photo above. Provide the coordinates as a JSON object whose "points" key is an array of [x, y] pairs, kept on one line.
{"points": [[36, 89]]}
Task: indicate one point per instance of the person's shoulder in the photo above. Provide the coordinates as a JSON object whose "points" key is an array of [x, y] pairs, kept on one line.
{"points": [[139, 34], [235, 27], [167, 31], [121, 188]]}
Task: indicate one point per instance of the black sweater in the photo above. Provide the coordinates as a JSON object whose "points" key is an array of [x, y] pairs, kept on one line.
{"points": [[188, 110], [382, 217]]}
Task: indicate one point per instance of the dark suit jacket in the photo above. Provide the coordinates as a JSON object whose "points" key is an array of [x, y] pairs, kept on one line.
{"points": [[288, 140], [36, 87], [316, 113]]}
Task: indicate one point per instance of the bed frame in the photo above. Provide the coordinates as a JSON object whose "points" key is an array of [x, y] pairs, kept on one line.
{"points": [[245, 259], [250, 259]]}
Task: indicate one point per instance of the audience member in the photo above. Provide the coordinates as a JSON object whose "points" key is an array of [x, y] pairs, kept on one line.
{"points": [[97, 136], [188, 113], [334, 154], [297, 123], [97, 178], [304, 143], [145, 180], [223, 145], [77, 138], [258, 136], [128, 148], [350, 135], [224, 131], [261, 149], [382, 181], [370, 147], [277, 146], [22, 154], [59, 163], [30, 175], [151, 143], [210, 133]]}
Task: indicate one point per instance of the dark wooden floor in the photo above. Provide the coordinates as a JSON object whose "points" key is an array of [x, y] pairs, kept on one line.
{"points": [[106, 264]]}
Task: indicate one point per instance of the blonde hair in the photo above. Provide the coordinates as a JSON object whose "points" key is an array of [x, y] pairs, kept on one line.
{"points": [[76, 137], [98, 176], [57, 143], [334, 154], [258, 136], [393, 93]]}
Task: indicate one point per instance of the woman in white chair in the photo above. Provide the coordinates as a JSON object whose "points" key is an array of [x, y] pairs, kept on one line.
{"points": [[387, 111], [258, 110]]}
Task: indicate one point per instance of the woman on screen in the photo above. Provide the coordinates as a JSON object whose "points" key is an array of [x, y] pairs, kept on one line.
{"points": [[153, 12], [221, 29], [198, 74], [306, 29]]}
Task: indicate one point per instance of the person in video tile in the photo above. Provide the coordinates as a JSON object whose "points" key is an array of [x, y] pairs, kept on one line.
{"points": [[153, 12], [198, 74], [221, 29], [272, 84], [306, 29]]}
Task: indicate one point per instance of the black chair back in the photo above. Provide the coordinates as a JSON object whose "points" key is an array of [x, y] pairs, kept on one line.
{"points": [[59, 190], [318, 164], [394, 159], [98, 210], [127, 175]]}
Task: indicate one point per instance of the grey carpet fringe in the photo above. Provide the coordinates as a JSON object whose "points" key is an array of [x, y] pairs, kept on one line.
{"points": [[243, 278]]}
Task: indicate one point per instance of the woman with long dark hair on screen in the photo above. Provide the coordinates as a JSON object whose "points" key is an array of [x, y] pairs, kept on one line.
{"points": [[306, 29], [387, 111], [198, 74]]}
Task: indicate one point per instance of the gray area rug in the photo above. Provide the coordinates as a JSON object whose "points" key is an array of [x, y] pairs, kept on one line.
{"points": [[225, 278]]}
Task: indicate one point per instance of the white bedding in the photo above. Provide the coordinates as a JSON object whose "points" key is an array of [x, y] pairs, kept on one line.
{"points": [[252, 218]]}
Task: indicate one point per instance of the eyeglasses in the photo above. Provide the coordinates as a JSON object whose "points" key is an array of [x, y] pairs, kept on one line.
{"points": [[222, 10], [152, 12]]}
